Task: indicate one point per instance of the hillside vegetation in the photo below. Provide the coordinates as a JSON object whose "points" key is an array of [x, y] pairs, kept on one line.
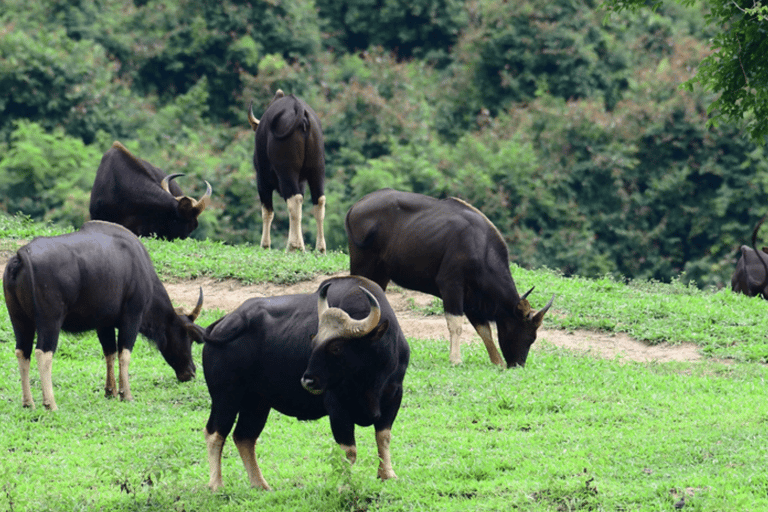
{"points": [[567, 129]]}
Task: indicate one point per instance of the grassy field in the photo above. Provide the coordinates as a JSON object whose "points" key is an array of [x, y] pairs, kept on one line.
{"points": [[568, 432]]}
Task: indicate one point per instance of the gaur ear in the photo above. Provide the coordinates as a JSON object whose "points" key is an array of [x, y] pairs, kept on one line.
{"points": [[524, 307], [195, 332]]}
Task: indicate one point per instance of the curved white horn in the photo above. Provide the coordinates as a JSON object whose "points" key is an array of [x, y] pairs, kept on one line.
{"points": [[336, 323], [322, 299], [204, 201], [167, 180], [252, 118]]}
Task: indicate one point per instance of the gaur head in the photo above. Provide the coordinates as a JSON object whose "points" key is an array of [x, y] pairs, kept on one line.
{"points": [[183, 221], [252, 119], [179, 334], [342, 345], [517, 330]]}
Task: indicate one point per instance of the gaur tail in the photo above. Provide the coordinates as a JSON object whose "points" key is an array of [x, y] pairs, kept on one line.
{"points": [[25, 261], [760, 287], [300, 116], [204, 334]]}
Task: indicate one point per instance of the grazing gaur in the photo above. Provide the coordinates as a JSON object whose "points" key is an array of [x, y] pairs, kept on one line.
{"points": [[289, 153], [751, 274], [449, 249], [136, 194], [337, 352], [100, 277]]}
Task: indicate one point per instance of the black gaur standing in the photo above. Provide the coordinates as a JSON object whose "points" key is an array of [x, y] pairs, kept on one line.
{"points": [[99, 277], [289, 153], [449, 249], [337, 352]]}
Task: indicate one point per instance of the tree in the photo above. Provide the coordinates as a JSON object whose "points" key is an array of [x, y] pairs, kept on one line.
{"points": [[736, 69]]}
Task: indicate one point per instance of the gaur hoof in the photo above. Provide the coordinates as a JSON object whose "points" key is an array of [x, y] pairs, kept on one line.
{"points": [[387, 475]]}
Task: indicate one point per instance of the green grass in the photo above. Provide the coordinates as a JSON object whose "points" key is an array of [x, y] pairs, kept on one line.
{"points": [[568, 432]]}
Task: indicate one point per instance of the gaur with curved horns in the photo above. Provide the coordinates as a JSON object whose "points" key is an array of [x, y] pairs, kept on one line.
{"points": [[100, 277], [136, 194], [337, 352], [289, 154], [449, 249]]}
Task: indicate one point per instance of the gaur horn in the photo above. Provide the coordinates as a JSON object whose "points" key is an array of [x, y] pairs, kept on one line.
{"points": [[199, 307], [204, 201], [322, 299], [167, 180], [525, 295], [252, 118], [195, 312], [539, 317], [336, 323]]}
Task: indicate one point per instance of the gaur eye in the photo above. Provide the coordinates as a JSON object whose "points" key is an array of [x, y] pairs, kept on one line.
{"points": [[334, 349]]}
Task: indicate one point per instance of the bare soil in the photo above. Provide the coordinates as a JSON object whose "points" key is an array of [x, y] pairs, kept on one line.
{"points": [[227, 295]]}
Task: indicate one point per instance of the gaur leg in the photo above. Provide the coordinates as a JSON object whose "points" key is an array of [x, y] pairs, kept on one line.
{"points": [[224, 409], [109, 348], [24, 332], [123, 362], [319, 212], [484, 331], [316, 187], [295, 236], [250, 423], [267, 216], [391, 399], [214, 443], [453, 304], [454, 332], [25, 336], [267, 210], [45, 366], [110, 386], [343, 429], [26, 389], [126, 338], [383, 438], [47, 340]]}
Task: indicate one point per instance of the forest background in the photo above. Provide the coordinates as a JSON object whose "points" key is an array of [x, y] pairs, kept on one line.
{"points": [[568, 128]]}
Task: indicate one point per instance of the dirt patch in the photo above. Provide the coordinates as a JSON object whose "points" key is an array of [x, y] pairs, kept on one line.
{"points": [[228, 295]]}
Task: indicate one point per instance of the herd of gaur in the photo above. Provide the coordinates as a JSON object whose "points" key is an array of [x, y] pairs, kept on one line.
{"points": [[338, 352]]}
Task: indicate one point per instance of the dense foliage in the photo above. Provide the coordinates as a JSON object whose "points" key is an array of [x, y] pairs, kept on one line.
{"points": [[736, 68], [568, 128]]}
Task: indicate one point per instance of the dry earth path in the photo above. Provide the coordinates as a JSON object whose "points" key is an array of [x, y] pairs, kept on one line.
{"points": [[227, 295]]}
